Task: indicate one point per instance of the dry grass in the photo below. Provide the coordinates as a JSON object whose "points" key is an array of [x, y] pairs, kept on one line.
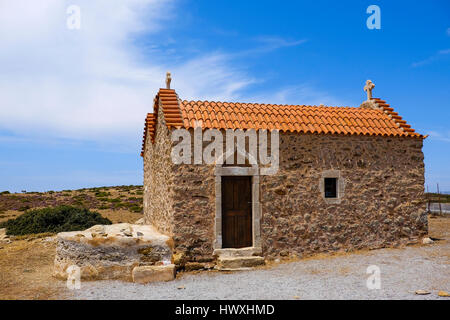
{"points": [[26, 268], [120, 216], [439, 227], [26, 264]]}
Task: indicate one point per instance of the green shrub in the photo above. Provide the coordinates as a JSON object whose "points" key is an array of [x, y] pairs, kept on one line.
{"points": [[58, 219], [136, 209], [5, 192], [102, 194]]}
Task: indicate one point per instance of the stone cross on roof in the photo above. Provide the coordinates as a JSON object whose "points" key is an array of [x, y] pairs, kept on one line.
{"points": [[168, 80], [368, 88]]}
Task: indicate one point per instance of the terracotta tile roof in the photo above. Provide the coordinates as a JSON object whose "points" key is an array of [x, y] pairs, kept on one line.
{"points": [[167, 99], [382, 121]]}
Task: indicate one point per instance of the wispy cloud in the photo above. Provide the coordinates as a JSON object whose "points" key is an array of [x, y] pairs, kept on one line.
{"points": [[88, 83], [440, 136], [432, 58], [97, 83], [306, 94], [448, 31], [276, 42]]}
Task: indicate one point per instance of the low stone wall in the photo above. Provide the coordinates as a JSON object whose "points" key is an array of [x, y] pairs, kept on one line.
{"points": [[111, 251]]}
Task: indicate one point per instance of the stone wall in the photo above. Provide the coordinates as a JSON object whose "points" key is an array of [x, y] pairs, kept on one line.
{"points": [[158, 179], [194, 211], [380, 180], [383, 194]]}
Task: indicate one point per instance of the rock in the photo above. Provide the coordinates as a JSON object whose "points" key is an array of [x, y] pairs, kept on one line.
{"points": [[443, 294], [179, 259], [427, 241], [209, 265], [146, 274], [140, 221], [181, 287], [284, 253], [112, 255], [4, 238], [191, 266], [240, 262], [422, 292], [139, 234]]}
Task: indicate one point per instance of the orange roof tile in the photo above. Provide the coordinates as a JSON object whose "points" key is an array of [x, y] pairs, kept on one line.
{"points": [[383, 121]]}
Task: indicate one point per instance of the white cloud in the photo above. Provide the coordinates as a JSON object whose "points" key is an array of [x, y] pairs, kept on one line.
{"points": [[432, 58], [305, 94], [96, 83], [275, 42], [448, 31], [86, 84], [440, 136]]}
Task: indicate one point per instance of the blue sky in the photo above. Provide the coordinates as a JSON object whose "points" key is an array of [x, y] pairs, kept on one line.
{"points": [[73, 102]]}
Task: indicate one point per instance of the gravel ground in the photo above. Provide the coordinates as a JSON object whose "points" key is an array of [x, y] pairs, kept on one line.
{"points": [[403, 271]]}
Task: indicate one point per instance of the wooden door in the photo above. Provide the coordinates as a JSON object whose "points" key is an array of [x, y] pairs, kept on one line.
{"points": [[236, 212]]}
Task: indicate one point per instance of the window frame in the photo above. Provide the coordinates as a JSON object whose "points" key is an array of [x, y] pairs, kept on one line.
{"points": [[335, 193]]}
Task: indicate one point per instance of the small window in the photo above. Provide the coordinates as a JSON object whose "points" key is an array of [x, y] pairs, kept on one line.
{"points": [[330, 187]]}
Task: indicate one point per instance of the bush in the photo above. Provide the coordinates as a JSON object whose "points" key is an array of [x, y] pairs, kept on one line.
{"points": [[58, 219], [5, 192]]}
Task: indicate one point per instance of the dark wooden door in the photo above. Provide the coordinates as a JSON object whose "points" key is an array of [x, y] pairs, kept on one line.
{"points": [[236, 212]]}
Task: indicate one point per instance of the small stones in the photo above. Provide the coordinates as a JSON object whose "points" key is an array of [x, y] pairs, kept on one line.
{"points": [[422, 292], [140, 221], [280, 191], [443, 294], [191, 266], [179, 259], [146, 274], [427, 241], [284, 253]]}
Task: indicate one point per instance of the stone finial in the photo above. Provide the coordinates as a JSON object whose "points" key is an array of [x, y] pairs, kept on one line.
{"points": [[168, 80], [368, 88]]}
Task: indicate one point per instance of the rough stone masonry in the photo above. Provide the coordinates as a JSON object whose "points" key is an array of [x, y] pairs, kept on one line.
{"points": [[380, 200]]}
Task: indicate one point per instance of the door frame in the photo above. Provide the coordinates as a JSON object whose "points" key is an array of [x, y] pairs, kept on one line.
{"points": [[253, 172]]}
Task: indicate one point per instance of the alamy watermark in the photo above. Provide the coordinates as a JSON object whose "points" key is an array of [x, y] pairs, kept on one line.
{"points": [[212, 146], [73, 21], [374, 280], [73, 277], [374, 20]]}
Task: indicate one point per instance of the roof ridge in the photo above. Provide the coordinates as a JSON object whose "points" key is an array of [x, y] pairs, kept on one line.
{"points": [[267, 104], [398, 120], [378, 119]]}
